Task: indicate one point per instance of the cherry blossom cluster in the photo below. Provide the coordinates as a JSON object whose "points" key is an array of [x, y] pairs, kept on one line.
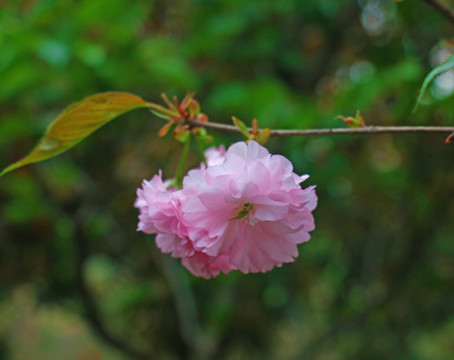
{"points": [[244, 210]]}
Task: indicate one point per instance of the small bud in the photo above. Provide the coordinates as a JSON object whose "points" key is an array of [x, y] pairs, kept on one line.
{"points": [[353, 122], [181, 133], [185, 103], [201, 134], [255, 127], [202, 117], [194, 109]]}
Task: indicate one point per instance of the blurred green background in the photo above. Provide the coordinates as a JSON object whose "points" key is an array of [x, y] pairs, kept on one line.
{"points": [[376, 281]]}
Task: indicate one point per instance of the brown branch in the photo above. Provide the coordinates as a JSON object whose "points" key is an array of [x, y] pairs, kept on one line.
{"points": [[339, 131], [442, 8]]}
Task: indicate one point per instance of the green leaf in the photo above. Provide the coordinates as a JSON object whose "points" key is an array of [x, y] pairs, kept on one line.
{"points": [[78, 121], [263, 136], [447, 65], [202, 134], [241, 126], [353, 122], [181, 133]]}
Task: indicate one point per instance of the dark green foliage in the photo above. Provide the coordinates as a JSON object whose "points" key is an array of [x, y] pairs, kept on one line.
{"points": [[376, 279]]}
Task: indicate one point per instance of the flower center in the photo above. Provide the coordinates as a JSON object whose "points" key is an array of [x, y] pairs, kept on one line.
{"points": [[244, 211]]}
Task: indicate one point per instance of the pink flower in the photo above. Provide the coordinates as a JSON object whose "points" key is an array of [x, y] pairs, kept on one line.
{"points": [[215, 156], [157, 207], [160, 214], [250, 207], [197, 262], [245, 210]]}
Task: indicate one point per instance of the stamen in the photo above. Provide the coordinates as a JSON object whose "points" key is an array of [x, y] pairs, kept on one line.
{"points": [[244, 211]]}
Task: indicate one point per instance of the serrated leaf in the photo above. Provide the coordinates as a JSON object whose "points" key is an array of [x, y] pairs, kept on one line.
{"points": [[78, 121], [447, 65]]}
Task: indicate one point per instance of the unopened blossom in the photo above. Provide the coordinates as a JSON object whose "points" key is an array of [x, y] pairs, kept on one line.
{"points": [[250, 207]]}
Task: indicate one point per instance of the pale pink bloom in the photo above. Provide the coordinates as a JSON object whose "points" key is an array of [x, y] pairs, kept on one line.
{"points": [[157, 207], [245, 210], [197, 262], [249, 208], [203, 265], [160, 214], [215, 156]]}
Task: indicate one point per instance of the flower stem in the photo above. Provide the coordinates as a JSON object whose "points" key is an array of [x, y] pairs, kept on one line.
{"points": [[180, 168], [200, 149]]}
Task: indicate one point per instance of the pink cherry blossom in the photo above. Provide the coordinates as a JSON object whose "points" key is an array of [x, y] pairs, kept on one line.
{"points": [[160, 214], [244, 211], [214, 155], [250, 207], [197, 262], [157, 207]]}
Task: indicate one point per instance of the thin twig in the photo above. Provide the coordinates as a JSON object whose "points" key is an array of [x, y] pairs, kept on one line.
{"points": [[339, 131], [442, 8]]}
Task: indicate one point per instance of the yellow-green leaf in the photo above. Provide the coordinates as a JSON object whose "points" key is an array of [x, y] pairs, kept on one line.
{"points": [[263, 136], [78, 121], [353, 122]]}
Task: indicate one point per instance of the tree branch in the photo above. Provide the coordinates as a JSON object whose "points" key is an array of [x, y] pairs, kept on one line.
{"points": [[338, 131], [442, 8]]}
